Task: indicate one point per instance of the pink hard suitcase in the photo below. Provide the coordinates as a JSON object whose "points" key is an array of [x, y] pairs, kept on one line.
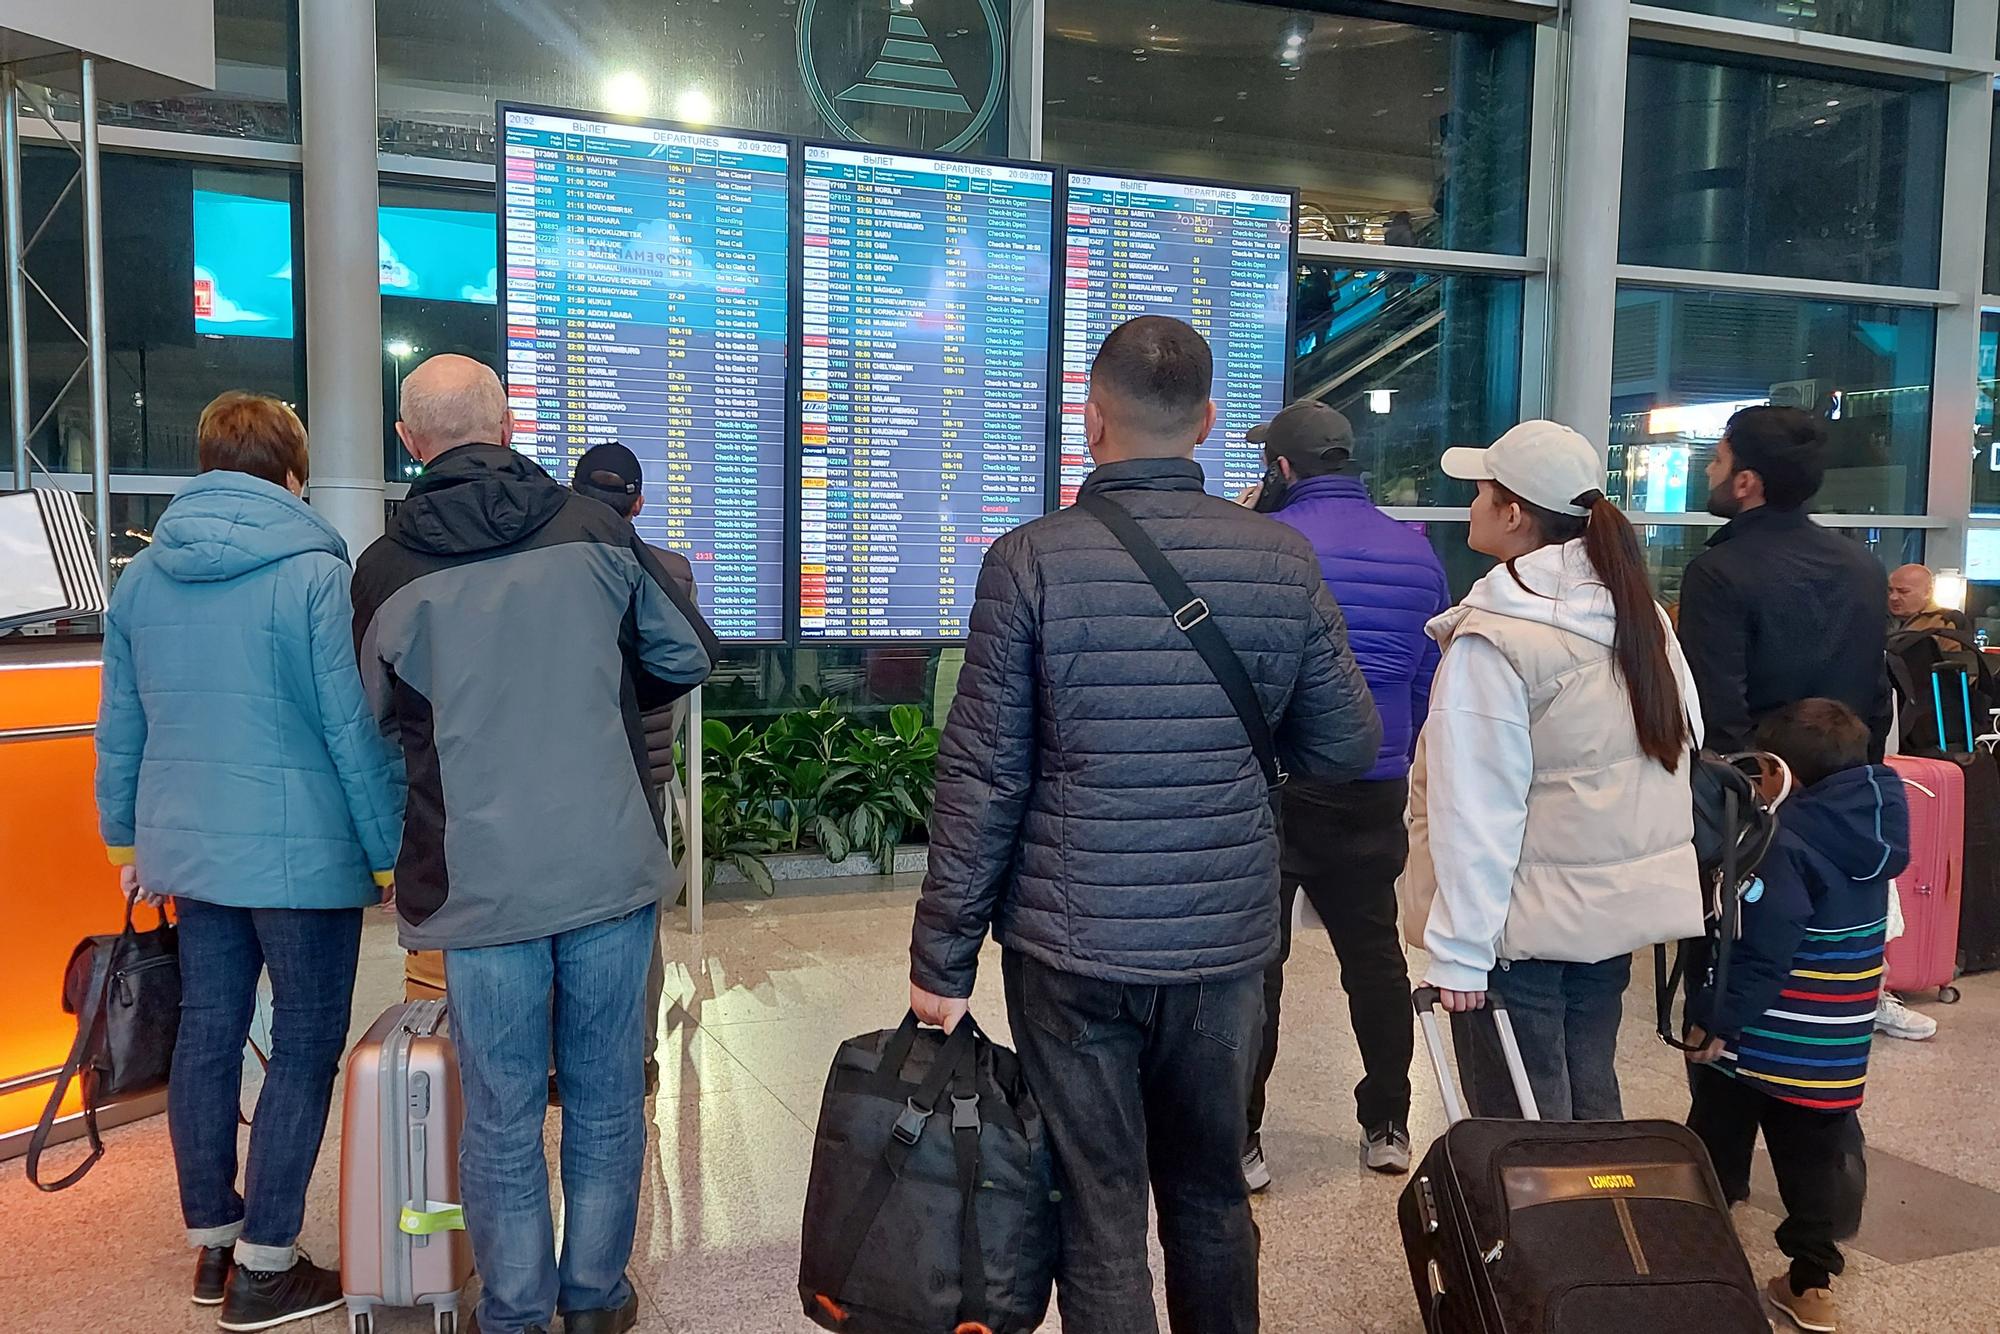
{"points": [[1926, 955], [402, 1241]]}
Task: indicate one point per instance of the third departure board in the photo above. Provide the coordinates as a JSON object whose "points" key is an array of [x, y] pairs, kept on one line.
{"points": [[645, 271], [926, 299], [1217, 256]]}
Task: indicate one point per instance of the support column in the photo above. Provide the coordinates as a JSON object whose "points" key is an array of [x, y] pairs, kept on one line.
{"points": [[1968, 140], [342, 271], [17, 287], [93, 327], [1583, 265]]}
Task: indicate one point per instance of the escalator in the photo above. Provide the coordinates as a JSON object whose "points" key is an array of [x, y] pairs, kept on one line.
{"points": [[1368, 327]]}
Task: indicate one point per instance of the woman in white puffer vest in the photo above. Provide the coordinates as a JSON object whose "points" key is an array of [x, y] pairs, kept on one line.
{"points": [[1551, 822]]}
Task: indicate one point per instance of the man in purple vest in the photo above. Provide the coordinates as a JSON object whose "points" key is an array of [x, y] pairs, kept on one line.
{"points": [[1345, 844]]}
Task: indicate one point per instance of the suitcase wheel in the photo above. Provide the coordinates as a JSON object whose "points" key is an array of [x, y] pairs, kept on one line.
{"points": [[359, 1323], [447, 1322], [1949, 995]]}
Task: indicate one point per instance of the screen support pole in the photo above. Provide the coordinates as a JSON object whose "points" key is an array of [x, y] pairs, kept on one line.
{"points": [[691, 827]]}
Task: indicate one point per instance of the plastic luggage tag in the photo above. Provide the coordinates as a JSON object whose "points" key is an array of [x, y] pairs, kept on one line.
{"points": [[428, 1222]]}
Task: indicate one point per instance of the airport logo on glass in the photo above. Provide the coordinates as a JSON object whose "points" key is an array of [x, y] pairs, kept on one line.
{"points": [[925, 74]]}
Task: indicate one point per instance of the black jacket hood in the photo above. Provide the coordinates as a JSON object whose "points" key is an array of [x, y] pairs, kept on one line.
{"points": [[476, 498]]}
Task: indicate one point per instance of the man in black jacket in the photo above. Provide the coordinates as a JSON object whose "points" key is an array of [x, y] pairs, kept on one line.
{"points": [[1779, 609], [1100, 807], [611, 473]]}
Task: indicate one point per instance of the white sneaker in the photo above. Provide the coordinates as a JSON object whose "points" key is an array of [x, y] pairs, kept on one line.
{"points": [[1256, 1172], [1900, 1021]]}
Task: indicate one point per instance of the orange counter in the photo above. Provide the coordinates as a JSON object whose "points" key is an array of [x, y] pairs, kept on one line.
{"points": [[55, 885]]}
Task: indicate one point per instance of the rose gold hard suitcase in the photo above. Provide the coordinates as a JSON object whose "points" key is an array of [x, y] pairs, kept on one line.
{"points": [[402, 1240]]}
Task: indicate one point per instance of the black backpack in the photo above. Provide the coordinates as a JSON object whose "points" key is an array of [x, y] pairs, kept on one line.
{"points": [[931, 1207], [1734, 828]]}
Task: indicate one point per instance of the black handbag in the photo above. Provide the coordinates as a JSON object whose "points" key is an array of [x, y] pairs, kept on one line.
{"points": [[125, 991], [931, 1205]]}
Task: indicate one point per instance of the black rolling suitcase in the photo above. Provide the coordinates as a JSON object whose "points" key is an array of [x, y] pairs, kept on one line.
{"points": [[1577, 1227]]}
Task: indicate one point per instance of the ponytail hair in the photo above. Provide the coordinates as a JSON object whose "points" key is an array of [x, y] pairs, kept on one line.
{"points": [[1639, 639]]}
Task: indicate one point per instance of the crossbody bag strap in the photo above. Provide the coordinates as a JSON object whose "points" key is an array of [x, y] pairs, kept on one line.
{"points": [[87, 1022], [1191, 616]]}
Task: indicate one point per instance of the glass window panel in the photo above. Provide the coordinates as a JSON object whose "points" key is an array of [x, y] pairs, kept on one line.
{"points": [[1417, 361], [1392, 132], [1668, 548], [200, 300], [938, 80], [1985, 442], [1992, 283], [1758, 168], [1922, 23], [437, 291], [1682, 362]]}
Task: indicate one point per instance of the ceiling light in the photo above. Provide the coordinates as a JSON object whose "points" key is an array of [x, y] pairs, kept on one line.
{"points": [[625, 94], [694, 107], [399, 348], [1820, 121], [1833, 101]]}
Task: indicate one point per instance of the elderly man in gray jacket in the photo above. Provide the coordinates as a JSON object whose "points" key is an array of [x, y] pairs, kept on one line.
{"points": [[1100, 807]]}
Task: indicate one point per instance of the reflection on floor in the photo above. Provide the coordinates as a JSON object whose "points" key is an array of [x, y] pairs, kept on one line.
{"points": [[757, 1005]]}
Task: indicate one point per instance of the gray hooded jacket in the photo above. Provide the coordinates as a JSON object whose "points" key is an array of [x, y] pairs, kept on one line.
{"points": [[510, 632]]}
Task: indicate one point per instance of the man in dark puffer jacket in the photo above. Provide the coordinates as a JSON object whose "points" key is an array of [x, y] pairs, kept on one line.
{"points": [[1098, 804]]}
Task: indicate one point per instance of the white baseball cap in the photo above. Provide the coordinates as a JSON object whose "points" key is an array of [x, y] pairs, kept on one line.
{"points": [[1542, 462]]}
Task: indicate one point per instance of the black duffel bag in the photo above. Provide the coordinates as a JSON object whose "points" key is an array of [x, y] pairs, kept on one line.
{"points": [[125, 991], [931, 1208]]}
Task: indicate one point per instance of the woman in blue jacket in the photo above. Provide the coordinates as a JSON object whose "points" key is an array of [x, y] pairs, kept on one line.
{"points": [[240, 773]]}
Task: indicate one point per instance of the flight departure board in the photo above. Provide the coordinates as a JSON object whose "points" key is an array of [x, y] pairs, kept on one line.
{"points": [[644, 271], [927, 306], [1217, 256]]}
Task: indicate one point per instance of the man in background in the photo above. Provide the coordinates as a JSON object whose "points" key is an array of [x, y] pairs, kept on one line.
{"points": [[1100, 806], [1779, 609], [1345, 844], [611, 473], [509, 632], [1913, 604]]}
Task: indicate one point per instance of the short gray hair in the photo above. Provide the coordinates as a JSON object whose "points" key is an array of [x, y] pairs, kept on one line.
{"points": [[451, 400]]}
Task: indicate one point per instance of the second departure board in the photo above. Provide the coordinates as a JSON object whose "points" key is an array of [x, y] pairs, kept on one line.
{"points": [[644, 271], [1217, 256], [926, 323]]}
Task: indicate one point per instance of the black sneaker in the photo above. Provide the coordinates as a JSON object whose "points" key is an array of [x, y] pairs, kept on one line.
{"points": [[260, 1300], [211, 1274], [604, 1321], [470, 1325]]}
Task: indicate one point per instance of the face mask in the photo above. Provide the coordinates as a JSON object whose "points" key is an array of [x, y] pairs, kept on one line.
{"points": [[1275, 488]]}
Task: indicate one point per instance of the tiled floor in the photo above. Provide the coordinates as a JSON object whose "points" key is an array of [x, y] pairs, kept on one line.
{"points": [[761, 999]]}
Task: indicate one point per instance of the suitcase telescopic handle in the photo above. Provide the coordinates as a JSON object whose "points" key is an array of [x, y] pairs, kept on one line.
{"points": [[1425, 1001]]}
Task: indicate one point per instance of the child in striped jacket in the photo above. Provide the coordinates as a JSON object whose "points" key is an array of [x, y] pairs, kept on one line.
{"points": [[1785, 1048]]}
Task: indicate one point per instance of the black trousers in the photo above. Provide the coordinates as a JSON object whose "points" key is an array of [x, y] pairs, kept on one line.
{"points": [[1816, 1156], [1143, 1086], [1345, 845]]}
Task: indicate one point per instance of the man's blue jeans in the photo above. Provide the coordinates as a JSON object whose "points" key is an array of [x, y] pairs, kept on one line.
{"points": [[588, 987], [311, 955]]}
